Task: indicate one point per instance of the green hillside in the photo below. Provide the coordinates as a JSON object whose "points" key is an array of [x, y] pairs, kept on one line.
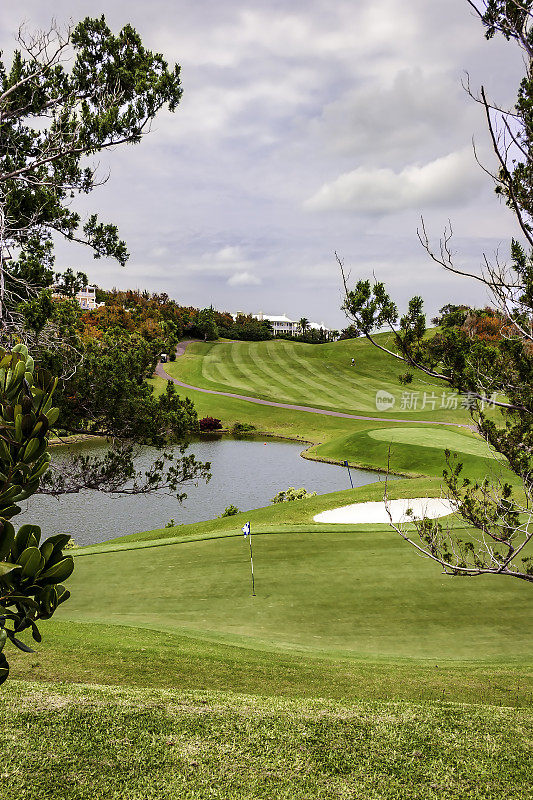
{"points": [[228, 684], [320, 376]]}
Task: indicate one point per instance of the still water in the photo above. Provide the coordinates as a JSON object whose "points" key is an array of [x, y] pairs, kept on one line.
{"points": [[245, 472]]}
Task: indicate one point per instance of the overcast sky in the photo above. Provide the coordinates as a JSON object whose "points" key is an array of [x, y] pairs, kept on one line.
{"points": [[304, 128]]}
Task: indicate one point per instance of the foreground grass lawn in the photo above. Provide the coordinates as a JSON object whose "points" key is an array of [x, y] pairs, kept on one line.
{"points": [[93, 742], [130, 656]]}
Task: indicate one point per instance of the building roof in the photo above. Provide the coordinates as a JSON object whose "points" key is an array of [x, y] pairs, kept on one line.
{"points": [[283, 318]]}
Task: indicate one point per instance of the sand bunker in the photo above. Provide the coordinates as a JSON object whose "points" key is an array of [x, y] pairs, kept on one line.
{"points": [[357, 513]]}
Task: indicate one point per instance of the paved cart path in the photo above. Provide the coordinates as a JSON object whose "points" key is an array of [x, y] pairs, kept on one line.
{"points": [[182, 346]]}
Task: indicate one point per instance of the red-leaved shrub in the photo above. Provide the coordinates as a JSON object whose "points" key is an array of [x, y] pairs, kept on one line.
{"points": [[210, 424]]}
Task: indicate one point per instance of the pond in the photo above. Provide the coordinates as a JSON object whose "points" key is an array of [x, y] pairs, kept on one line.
{"points": [[245, 472]]}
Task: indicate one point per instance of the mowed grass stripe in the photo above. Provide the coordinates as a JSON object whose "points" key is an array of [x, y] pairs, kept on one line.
{"points": [[286, 385], [363, 384], [211, 360], [227, 378], [255, 383], [345, 386], [318, 376], [320, 367], [215, 367], [232, 375], [310, 390], [307, 379], [278, 387], [373, 370], [241, 366]]}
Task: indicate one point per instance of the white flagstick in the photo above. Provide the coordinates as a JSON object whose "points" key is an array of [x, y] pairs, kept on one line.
{"points": [[248, 532]]}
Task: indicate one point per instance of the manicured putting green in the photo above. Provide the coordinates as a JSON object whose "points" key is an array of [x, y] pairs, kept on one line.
{"points": [[362, 594], [437, 439]]}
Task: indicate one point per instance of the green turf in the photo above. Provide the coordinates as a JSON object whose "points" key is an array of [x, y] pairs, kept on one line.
{"points": [[345, 613], [320, 376], [338, 613], [130, 656], [437, 439], [359, 594], [95, 743], [412, 451]]}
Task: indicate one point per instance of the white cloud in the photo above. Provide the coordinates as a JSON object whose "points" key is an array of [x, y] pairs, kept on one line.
{"points": [[229, 261], [244, 279], [229, 255], [452, 179]]}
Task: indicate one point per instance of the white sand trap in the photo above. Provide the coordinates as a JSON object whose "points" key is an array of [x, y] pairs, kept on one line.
{"points": [[357, 513]]}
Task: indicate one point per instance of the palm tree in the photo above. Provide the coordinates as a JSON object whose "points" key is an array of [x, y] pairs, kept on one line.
{"points": [[303, 324]]}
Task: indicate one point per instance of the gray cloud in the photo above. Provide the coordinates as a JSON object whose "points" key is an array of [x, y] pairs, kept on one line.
{"points": [[353, 110], [387, 120]]}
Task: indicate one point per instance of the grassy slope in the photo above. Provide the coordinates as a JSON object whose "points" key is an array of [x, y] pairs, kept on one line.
{"points": [[314, 375], [132, 656], [91, 743], [337, 615], [195, 587]]}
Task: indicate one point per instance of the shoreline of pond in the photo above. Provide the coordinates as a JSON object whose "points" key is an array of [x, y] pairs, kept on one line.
{"points": [[247, 471], [251, 436]]}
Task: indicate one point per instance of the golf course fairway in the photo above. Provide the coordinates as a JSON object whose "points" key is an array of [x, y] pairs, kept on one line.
{"points": [[358, 670], [318, 376]]}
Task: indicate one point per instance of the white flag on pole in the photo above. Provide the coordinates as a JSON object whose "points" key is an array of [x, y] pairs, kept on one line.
{"points": [[246, 528]]}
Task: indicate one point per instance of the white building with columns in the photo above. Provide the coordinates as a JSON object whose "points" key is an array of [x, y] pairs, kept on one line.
{"points": [[282, 324]]}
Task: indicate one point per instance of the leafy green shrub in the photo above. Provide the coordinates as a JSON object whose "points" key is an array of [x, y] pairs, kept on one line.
{"points": [[31, 573], [70, 544], [292, 494], [242, 428], [229, 511], [210, 424]]}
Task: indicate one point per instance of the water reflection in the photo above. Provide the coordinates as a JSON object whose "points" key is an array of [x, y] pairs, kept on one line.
{"points": [[246, 473]]}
